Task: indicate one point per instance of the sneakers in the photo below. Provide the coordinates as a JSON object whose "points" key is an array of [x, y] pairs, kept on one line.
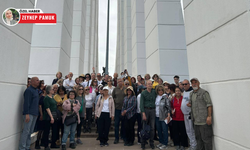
{"points": [[78, 141], [63, 147], [159, 145], [72, 145], [170, 143], [116, 141], [143, 147], [181, 148], [177, 148], [152, 146], [106, 144], [101, 144], [164, 147]]}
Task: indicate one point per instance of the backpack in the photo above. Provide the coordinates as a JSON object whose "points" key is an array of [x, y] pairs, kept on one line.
{"points": [[145, 132]]}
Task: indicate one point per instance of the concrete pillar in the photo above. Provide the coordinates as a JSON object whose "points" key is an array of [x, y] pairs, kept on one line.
{"points": [[51, 44], [218, 55], [138, 38], [15, 44], [165, 39]]}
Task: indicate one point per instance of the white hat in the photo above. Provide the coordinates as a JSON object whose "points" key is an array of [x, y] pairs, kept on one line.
{"points": [[106, 88]]}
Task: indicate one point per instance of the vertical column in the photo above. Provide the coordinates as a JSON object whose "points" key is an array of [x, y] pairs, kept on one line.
{"points": [[117, 60], [127, 36], [87, 37], [51, 45], [218, 55], [121, 36], [138, 38], [75, 59], [15, 44], [165, 39]]}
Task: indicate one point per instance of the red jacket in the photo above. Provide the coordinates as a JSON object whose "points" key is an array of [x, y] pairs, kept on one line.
{"points": [[175, 104]]}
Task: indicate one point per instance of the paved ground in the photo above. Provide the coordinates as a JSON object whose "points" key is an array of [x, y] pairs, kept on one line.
{"points": [[93, 144]]}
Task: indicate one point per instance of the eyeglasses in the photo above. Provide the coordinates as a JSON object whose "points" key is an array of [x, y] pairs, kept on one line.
{"points": [[109, 81], [80, 89], [161, 90], [185, 84], [87, 77], [86, 89], [127, 84]]}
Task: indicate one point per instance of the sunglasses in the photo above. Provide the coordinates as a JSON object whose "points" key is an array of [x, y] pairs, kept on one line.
{"points": [[86, 89], [126, 84], [160, 90], [184, 84]]}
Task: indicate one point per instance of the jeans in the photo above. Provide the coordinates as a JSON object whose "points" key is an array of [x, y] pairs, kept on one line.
{"points": [[138, 119], [150, 114], [117, 124], [69, 129], [162, 130], [28, 129]]}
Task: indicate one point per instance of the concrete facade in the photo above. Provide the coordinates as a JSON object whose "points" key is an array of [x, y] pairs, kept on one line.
{"points": [[158, 38], [15, 44], [70, 44], [218, 54]]}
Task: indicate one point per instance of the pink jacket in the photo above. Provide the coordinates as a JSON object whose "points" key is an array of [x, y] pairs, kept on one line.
{"points": [[67, 106], [99, 106]]}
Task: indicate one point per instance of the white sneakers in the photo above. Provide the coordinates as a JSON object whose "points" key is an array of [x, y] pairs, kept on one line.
{"points": [[163, 147], [159, 145]]}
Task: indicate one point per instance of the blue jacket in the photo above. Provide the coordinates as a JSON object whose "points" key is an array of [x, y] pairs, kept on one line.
{"points": [[31, 101]]}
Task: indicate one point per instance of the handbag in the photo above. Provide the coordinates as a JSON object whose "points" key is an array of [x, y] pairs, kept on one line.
{"points": [[69, 120], [145, 132], [57, 115]]}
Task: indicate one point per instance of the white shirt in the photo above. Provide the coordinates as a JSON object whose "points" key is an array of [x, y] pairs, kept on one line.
{"points": [[87, 83], [89, 101], [105, 107], [157, 104], [184, 108], [138, 103], [69, 84], [99, 82], [111, 90]]}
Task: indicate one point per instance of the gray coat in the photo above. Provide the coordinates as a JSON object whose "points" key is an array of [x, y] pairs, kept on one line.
{"points": [[164, 108]]}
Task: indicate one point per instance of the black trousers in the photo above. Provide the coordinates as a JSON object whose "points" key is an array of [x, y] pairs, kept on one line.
{"points": [[104, 122], [88, 120], [47, 126], [79, 127], [60, 126], [130, 128], [138, 119], [180, 134]]}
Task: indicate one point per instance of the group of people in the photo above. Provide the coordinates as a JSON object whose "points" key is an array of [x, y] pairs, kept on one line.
{"points": [[182, 109]]}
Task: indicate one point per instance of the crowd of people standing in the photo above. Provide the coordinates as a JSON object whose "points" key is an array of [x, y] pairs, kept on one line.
{"points": [[181, 111]]}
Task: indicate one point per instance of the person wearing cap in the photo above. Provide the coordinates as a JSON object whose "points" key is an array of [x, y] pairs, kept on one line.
{"points": [[105, 112], [118, 95], [147, 106], [138, 114], [201, 113], [81, 79], [58, 76], [69, 83], [186, 111], [129, 111]]}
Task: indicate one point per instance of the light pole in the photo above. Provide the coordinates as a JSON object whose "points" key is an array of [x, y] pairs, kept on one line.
{"points": [[107, 48]]}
